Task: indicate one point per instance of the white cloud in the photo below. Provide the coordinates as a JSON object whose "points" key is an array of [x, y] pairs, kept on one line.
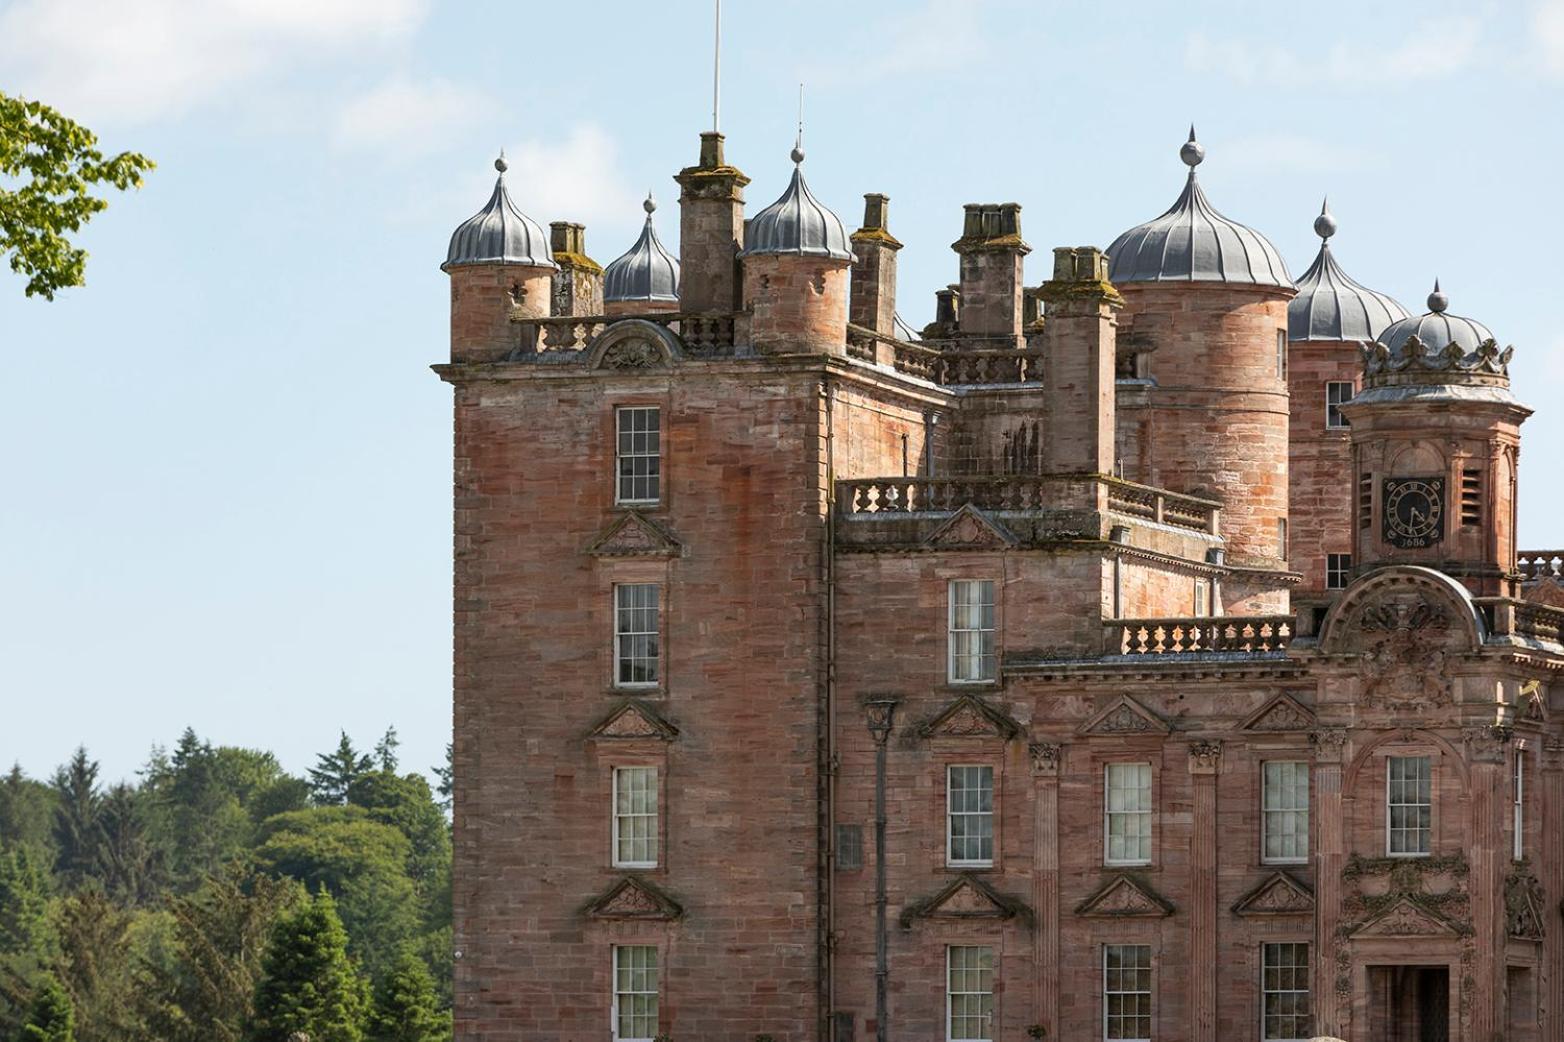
{"points": [[409, 117], [575, 179], [936, 36], [1295, 152], [1547, 29], [1433, 50], [137, 61]]}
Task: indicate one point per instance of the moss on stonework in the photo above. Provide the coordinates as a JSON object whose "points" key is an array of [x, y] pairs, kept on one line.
{"points": [[1100, 289], [579, 261], [879, 235], [1000, 242]]}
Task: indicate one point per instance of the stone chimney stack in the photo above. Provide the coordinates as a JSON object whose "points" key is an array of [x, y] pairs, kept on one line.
{"points": [[873, 293], [991, 252], [1078, 363], [711, 230], [578, 284]]}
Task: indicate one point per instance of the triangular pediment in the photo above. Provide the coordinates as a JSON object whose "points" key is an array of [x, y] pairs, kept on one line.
{"points": [[967, 897], [634, 535], [1278, 894], [971, 717], [970, 529], [634, 898], [1282, 713], [1125, 716], [1124, 896], [1405, 918], [634, 718]]}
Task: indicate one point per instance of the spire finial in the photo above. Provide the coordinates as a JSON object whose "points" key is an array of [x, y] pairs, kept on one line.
{"points": [[798, 142], [1325, 224], [500, 164], [1437, 301], [650, 206], [1193, 151]]}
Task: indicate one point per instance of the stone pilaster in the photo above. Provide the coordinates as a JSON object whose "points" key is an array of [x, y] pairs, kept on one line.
{"points": [[1205, 763], [1551, 807], [1486, 754], [1046, 761], [711, 230], [873, 295], [1332, 983]]}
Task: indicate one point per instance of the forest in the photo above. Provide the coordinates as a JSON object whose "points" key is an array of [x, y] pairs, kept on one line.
{"points": [[219, 898]]}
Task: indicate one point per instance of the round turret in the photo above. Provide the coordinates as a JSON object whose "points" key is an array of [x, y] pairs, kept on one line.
{"points": [[499, 234], [1330, 305], [1192, 242], [797, 224], [1436, 329], [646, 277]]}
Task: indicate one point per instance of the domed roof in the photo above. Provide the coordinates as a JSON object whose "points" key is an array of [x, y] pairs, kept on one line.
{"points": [[499, 234], [1191, 242], [798, 224], [647, 272], [1435, 330], [1330, 305]]}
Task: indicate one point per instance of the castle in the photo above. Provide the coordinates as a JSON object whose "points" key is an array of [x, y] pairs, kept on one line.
{"points": [[1143, 653]]}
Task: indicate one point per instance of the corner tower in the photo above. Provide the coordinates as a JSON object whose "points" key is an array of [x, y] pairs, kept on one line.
{"points": [[1205, 326]]}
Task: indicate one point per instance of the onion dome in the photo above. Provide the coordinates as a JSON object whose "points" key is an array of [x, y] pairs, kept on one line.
{"points": [[499, 234], [797, 224], [647, 272], [1436, 351], [1436, 330], [1194, 243], [1330, 305]]}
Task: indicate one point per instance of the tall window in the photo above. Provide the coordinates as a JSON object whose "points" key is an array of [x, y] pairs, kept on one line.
{"points": [[639, 454], [635, 993], [969, 799], [1202, 598], [1126, 992], [1409, 803], [1128, 826], [1281, 536], [1336, 392], [1284, 986], [1281, 353], [1285, 795], [635, 634], [1338, 567], [972, 657], [1518, 795], [969, 992], [635, 817]]}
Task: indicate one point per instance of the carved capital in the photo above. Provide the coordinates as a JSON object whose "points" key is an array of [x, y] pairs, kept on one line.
{"points": [[1205, 757], [1046, 757], [1487, 741], [1328, 743], [880, 713]]}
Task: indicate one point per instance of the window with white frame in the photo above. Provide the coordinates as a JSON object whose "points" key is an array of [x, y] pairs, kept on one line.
{"points": [[1518, 796], [638, 454], [1284, 988], [1202, 598], [635, 993], [969, 993], [1128, 802], [1126, 992], [972, 657], [1409, 805], [635, 817], [1284, 821], [969, 801], [1338, 569], [636, 634], [1337, 392]]}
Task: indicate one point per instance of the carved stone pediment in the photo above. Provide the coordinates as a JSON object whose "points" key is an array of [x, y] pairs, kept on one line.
{"points": [[634, 344], [632, 719], [1124, 896], [1280, 714], [967, 897], [971, 717], [970, 529], [632, 534], [634, 898], [1403, 623], [1125, 716], [1277, 894], [1406, 918]]}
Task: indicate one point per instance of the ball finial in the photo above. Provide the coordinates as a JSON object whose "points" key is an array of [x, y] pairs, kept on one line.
{"points": [[1193, 151], [1437, 301], [1325, 224], [650, 206], [500, 164], [797, 154]]}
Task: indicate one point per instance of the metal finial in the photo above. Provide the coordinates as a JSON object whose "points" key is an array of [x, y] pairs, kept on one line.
{"points": [[650, 206], [1193, 151], [500, 164], [798, 142], [1325, 224], [1437, 301]]}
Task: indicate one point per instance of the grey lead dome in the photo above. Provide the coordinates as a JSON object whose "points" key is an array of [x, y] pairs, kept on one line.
{"points": [[1330, 305], [499, 234], [1436, 330], [797, 223], [646, 272], [1192, 242]]}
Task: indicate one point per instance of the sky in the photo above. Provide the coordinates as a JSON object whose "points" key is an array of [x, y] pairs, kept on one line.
{"points": [[224, 462]]}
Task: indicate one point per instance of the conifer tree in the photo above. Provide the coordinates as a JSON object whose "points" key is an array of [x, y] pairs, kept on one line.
{"points": [[77, 831], [128, 864], [445, 777], [24, 902], [336, 771], [51, 1018], [308, 984], [385, 751], [406, 1009]]}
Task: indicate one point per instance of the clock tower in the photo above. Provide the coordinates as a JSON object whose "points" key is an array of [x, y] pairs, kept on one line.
{"points": [[1435, 444]]}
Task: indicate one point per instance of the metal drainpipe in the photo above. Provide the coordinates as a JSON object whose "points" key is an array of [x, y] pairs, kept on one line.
{"points": [[828, 961], [881, 713]]}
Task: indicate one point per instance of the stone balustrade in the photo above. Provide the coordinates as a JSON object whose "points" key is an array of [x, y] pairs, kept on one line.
{"points": [[703, 334], [969, 367], [1247, 634], [1540, 622], [1163, 507], [1540, 564]]}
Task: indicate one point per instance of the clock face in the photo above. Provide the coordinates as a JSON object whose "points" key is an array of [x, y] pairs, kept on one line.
{"points": [[1414, 512]]}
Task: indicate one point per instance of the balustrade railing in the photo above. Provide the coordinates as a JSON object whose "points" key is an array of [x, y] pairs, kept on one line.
{"points": [[1231, 633], [1540, 564], [968, 367], [1540, 622], [1162, 506], [703, 333]]}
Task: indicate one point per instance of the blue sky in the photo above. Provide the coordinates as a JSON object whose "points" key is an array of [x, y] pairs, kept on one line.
{"points": [[224, 481]]}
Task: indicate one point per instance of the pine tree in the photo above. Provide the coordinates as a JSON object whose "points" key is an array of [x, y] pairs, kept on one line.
{"points": [[308, 984], [24, 903], [95, 966], [128, 864], [385, 750], [445, 777], [77, 830], [51, 1018], [406, 1009], [336, 771]]}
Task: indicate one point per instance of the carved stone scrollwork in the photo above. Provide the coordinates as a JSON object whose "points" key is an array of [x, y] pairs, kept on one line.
{"points": [[1487, 742], [1205, 757], [1328, 743], [1046, 757], [632, 354]]}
